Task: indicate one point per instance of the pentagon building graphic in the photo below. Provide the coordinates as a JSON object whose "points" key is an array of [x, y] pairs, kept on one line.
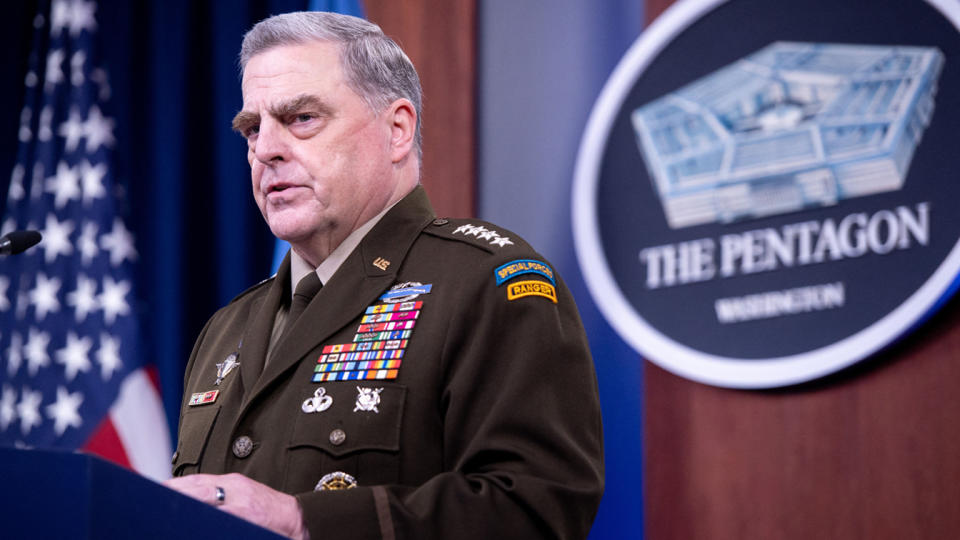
{"points": [[791, 126]]}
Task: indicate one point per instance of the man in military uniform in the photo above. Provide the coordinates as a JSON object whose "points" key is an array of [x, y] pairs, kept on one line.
{"points": [[402, 376]]}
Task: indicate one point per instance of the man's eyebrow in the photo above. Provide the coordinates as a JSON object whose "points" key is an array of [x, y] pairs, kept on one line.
{"points": [[246, 119], [299, 104]]}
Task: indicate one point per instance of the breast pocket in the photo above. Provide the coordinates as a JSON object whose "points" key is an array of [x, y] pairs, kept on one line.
{"points": [[359, 434], [194, 432]]}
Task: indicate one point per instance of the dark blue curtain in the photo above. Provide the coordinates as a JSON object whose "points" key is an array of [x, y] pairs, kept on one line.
{"points": [[175, 87]]}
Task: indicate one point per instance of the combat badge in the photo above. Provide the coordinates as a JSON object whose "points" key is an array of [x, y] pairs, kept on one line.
{"points": [[368, 399], [318, 403], [404, 292]]}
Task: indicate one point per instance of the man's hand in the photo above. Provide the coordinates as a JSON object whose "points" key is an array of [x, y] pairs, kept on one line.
{"points": [[245, 499]]}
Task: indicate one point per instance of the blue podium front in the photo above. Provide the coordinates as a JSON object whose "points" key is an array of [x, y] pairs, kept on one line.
{"points": [[54, 494]]}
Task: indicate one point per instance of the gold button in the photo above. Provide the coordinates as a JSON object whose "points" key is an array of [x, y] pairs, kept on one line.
{"points": [[337, 437], [242, 447]]}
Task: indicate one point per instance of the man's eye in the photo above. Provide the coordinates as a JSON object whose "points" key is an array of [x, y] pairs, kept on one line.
{"points": [[304, 117], [251, 131]]}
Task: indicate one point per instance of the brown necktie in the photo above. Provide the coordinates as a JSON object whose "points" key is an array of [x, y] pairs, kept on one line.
{"points": [[308, 287]]}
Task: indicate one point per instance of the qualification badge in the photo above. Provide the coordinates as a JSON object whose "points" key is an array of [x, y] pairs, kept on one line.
{"points": [[225, 367], [318, 403]]}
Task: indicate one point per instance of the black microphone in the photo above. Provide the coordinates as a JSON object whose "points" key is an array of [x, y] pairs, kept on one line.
{"points": [[18, 242]]}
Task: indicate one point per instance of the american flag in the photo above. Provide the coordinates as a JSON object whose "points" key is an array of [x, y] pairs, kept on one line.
{"points": [[73, 375]]}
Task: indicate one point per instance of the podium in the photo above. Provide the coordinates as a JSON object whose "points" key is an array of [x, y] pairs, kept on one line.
{"points": [[56, 494]]}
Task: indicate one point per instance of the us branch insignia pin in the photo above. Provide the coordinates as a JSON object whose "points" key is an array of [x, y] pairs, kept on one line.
{"points": [[368, 399], [225, 367], [381, 263]]}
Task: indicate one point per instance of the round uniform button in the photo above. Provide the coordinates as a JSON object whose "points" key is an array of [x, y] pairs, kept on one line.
{"points": [[242, 446], [337, 437], [440, 221]]}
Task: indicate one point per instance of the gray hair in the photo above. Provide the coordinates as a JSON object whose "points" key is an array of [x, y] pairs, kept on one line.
{"points": [[376, 67]]}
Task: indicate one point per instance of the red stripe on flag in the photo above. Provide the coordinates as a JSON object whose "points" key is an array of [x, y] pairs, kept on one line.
{"points": [[106, 443]]}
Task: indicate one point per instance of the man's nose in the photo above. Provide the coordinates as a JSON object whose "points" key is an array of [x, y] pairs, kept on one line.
{"points": [[271, 146]]}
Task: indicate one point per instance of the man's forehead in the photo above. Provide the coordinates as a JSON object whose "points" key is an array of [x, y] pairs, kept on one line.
{"points": [[284, 72]]}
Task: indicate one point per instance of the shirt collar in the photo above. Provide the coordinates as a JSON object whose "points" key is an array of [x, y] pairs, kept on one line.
{"points": [[300, 267]]}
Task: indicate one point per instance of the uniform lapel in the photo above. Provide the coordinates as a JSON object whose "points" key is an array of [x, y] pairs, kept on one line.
{"points": [[358, 282], [256, 334]]}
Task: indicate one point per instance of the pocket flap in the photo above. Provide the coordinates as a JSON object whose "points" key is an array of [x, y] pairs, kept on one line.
{"points": [[353, 424]]}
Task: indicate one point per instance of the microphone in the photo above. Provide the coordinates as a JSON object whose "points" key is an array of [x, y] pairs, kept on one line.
{"points": [[18, 242]]}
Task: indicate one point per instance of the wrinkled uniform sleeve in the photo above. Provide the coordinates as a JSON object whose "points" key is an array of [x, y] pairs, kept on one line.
{"points": [[522, 432]]}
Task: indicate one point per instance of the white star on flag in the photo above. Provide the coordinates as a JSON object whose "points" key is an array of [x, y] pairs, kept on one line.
{"points": [[65, 185], [16, 183], [108, 356], [119, 242], [91, 177], [99, 130], [43, 296], [87, 242], [29, 410], [71, 130], [83, 299], [81, 17], [65, 411], [113, 299], [54, 72], [75, 357], [56, 238], [36, 351], [60, 14], [44, 132], [76, 68], [4, 285], [14, 354], [8, 411]]}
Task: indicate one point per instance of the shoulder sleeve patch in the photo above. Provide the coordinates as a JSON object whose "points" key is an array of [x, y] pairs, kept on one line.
{"points": [[522, 289], [519, 267]]}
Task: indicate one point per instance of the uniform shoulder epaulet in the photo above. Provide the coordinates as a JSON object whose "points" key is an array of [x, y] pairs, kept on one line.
{"points": [[482, 234], [254, 288]]}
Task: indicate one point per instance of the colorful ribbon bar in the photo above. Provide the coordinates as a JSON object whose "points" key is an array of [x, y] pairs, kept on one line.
{"points": [[387, 308], [386, 326], [361, 355], [387, 317], [382, 336], [356, 375]]}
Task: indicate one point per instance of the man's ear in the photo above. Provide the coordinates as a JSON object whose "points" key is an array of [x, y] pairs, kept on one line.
{"points": [[403, 125]]}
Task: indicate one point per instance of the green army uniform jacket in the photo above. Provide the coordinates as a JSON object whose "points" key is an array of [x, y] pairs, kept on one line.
{"points": [[488, 428]]}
